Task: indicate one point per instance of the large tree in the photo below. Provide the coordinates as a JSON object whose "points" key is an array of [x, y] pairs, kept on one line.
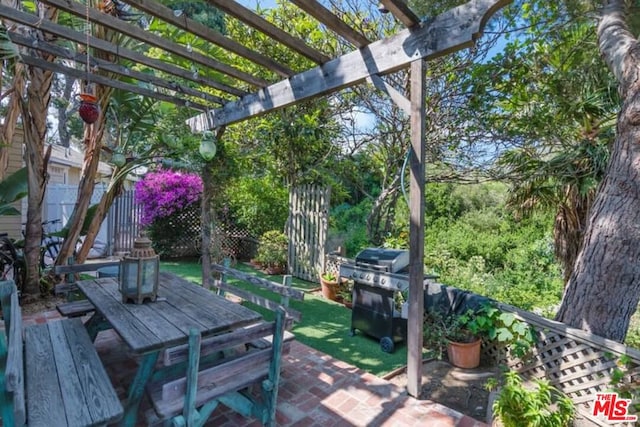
{"points": [[604, 289]]}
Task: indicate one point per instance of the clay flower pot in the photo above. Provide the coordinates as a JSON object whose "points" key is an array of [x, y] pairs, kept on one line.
{"points": [[329, 288], [464, 355], [89, 109]]}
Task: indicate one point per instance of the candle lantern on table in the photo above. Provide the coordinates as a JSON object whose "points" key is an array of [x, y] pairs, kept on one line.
{"points": [[139, 273]]}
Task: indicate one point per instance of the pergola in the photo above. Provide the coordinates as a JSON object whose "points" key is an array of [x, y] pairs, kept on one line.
{"points": [[237, 95]]}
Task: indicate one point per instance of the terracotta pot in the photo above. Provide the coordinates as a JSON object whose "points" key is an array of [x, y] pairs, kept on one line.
{"points": [[464, 355], [329, 289]]}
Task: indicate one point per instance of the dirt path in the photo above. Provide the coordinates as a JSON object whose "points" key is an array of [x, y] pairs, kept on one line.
{"points": [[459, 389]]}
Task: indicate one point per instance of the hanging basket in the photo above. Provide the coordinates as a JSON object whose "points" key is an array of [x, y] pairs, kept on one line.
{"points": [[89, 110]]}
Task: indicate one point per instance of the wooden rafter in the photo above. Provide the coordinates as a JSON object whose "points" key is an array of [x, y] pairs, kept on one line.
{"points": [[81, 74], [462, 25], [335, 24], [57, 30], [96, 63], [151, 39], [245, 15], [209, 34], [401, 11]]}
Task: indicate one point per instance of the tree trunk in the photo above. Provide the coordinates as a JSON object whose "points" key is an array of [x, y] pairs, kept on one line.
{"points": [[92, 140], [101, 213], [34, 120], [11, 118], [604, 289], [206, 220]]}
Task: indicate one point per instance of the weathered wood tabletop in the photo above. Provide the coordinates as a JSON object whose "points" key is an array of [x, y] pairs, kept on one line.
{"points": [[149, 328], [165, 323]]}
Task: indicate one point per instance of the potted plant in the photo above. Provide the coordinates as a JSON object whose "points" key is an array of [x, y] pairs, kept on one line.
{"points": [[329, 285], [272, 252], [461, 334], [345, 292]]}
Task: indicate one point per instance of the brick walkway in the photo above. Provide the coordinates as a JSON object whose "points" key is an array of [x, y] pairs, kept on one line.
{"points": [[316, 390]]}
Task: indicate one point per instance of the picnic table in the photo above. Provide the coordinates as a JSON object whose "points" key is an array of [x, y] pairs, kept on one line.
{"points": [[148, 329]]}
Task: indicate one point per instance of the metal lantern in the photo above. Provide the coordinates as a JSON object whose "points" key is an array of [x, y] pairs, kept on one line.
{"points": [[139, 273]]}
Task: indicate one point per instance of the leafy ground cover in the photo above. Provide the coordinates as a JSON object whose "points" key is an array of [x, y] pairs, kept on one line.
{"points": [[325, 324]]}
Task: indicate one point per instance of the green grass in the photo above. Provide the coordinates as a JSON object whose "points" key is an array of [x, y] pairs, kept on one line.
{"points": [[325, 324]]}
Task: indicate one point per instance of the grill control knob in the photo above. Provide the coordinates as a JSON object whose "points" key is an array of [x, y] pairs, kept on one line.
{"points": [[383, 281]]}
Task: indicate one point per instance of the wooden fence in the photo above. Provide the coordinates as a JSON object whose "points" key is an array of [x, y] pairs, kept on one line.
{"points": [[307, 230]]}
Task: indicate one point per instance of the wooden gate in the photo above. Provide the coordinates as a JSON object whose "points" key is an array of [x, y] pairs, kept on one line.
{"points": [[124, 221], [307, 230]]}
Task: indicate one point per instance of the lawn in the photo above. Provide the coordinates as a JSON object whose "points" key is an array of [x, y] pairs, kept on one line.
{"points": [[325, 324]]}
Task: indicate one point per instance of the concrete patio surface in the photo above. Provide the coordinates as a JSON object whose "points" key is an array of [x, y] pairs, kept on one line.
{"points": [[315, 390]]}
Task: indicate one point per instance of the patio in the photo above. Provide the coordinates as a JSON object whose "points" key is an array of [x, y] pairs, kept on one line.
{"points": [[315, 390]]}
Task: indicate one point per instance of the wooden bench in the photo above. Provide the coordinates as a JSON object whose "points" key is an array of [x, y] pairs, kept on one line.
{"points": [[284, 291], [224, 366], [76, 308], [190, 399], [53, 375]]}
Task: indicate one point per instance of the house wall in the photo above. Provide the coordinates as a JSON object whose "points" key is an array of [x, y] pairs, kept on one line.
{"points": [[12, 224]]}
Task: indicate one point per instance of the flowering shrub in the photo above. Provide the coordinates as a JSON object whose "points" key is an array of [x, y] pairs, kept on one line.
{"points": [[166, 192]]}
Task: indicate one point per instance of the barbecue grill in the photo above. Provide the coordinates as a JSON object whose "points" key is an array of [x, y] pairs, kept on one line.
{"points": [[377, 275]]}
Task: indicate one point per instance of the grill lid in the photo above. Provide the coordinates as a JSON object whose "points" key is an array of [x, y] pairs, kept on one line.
{"points": [[391, 260]]}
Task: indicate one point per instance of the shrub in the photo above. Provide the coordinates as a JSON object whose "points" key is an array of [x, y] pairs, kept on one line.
{"points": [[166, 192], [272, 251]]}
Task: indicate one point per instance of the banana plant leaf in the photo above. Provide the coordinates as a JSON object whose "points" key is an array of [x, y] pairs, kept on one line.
{"points": [[12, 188]]}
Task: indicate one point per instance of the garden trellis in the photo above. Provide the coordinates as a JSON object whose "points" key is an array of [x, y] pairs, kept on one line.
{"points": [[238, 95]]}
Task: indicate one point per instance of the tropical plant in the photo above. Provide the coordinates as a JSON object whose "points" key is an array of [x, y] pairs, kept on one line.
{"points": [[12, 189], [521, 406]]}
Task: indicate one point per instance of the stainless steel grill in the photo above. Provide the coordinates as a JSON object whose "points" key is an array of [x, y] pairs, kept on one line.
{"points": [[384, 268], [377, 275]]}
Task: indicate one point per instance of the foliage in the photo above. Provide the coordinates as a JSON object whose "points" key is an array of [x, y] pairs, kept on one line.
{"points": [[622, 381], [12, 189], [273, 248], [258, 203], [486, 322], [166, 192], [545, 406], [348, 228]]}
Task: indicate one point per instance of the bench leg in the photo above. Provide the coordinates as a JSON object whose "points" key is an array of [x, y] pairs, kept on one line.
{"points": [[136, 390], [95, 324]]}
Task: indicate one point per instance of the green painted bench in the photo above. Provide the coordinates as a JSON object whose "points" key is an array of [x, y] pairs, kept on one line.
{"points": [[51, 375], [79, 307], [222, 368], [191, 398]]}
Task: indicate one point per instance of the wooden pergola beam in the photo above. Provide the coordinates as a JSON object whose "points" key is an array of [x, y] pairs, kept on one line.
{"points": [[57, 30], [335, 24], [206, 33], [462, 25], [401, 11], [115, 24], [253, 20]]}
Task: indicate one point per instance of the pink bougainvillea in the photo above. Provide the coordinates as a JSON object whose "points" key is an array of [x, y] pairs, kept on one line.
{"points": [[166, 192]]}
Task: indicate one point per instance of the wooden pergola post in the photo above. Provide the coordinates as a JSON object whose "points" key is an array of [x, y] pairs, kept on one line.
{"points": [[416, 229]]}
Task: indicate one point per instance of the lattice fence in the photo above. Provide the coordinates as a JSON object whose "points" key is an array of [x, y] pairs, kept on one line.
{"points": [[578, 363]]}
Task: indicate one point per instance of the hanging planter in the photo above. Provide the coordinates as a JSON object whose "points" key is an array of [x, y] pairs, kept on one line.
{"points": [[208, 146], [89, 109], [118, 159]]}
